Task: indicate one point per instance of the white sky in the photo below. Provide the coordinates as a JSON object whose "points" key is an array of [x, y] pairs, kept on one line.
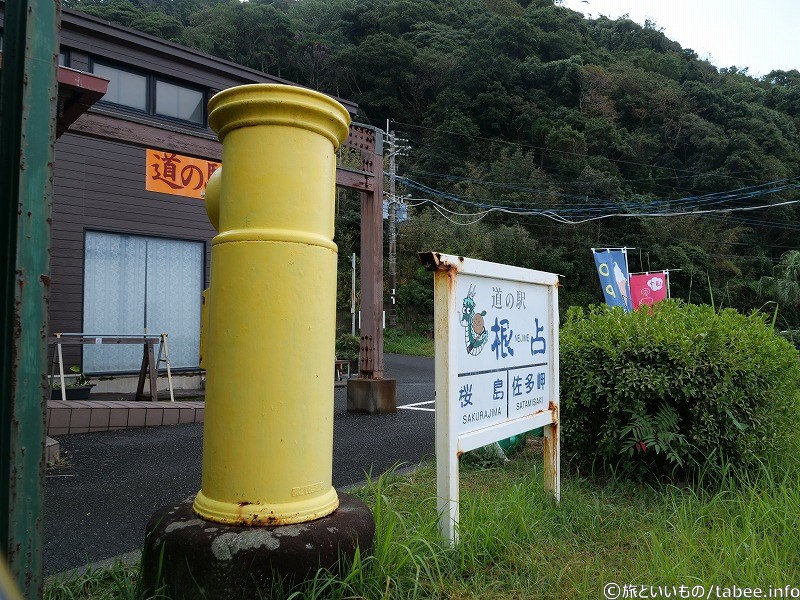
{"points": [[760, 35]]}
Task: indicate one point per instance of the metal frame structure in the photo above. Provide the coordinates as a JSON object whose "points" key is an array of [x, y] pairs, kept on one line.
{"points": [[149, 369]]}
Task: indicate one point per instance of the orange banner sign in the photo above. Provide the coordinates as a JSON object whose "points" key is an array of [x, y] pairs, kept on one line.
{"points": [[171, 173]]}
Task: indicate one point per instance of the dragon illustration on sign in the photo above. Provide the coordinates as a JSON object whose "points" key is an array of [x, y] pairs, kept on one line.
{"points": [[475, 334]]}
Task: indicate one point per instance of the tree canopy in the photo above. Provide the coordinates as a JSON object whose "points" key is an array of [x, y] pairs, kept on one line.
{"points": [[550, 121]]}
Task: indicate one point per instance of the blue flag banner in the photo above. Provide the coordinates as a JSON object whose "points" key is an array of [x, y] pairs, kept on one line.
{"points": [[612, 268]]}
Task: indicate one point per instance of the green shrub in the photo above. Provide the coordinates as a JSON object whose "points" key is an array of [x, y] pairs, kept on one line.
{"points": [[347, 348], [678, 392]]}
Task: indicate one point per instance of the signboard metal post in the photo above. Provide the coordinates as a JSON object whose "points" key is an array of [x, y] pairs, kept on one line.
{"points": [[496, 337]]}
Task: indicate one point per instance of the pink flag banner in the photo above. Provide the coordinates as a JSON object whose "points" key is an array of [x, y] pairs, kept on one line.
{"points": [[649, 288]]}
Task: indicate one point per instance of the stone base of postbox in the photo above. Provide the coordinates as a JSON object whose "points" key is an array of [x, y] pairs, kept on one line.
{"points": [[373, 396], [186, 557]]}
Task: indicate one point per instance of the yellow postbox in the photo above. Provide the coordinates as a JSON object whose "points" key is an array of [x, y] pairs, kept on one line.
{"points": [[271, 308]]}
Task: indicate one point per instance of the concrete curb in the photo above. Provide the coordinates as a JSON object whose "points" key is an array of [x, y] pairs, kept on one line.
{"points": [[52, 450], [128, 559]]}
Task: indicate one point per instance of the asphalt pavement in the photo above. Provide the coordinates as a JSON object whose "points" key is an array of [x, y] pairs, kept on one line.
{"points": [[98, 502]]}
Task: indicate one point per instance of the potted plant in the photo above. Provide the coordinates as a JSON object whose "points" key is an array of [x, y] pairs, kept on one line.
{"points": [[78, 389], [347, 348]]}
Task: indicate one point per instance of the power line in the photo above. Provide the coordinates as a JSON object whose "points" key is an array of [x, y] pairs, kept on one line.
{"points": [[444, 213], [476, 217], [761, 223], [611, 179], [693, 205], [566, 152], [620, 180], [479, 216], [584, 199]]}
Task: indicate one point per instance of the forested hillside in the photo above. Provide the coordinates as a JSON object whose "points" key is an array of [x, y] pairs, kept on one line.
{"points": [[536, 134]]}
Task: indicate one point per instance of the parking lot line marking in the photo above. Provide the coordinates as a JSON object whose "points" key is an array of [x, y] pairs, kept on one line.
{"points": [[418, 406]]}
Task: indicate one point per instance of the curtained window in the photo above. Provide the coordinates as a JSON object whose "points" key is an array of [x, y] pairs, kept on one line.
{"points": [[134, 284]]}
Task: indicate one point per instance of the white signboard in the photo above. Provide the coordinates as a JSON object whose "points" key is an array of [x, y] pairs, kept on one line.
{"points": [[496, 332]]}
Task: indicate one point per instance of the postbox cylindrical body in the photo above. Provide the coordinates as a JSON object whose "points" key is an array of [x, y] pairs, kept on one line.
{"points": [[269, 348]]}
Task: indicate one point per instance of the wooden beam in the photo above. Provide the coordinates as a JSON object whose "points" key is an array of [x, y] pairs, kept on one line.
{"points": [[77, 91], [112, 127], [109, 127], [356, 180], [371, 348]]}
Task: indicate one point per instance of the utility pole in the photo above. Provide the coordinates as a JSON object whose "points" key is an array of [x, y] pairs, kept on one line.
{"points": [[353, 296], [395, 149]]}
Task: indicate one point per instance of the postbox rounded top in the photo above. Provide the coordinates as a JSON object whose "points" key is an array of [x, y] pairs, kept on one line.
{"points": [[278, 104], [213, 193]]}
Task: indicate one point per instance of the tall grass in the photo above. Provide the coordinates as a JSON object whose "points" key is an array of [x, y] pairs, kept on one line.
{"points": [[516, 542], [407, 559], [747, 533], [117, 582], [398, 341]]}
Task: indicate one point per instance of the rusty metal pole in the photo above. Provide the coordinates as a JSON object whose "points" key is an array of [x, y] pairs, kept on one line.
{"points": [[28, 87]]}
